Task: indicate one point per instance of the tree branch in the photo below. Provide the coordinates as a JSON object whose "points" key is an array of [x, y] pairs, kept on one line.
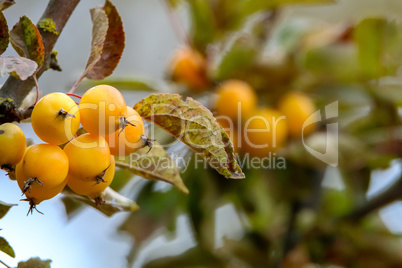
{"points": [[5, 264], [389, 195], [15, 89]]}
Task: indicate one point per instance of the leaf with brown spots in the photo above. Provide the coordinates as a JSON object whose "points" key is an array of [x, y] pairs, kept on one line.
{"points": [[27, 41], [193, 124], [154, 164]]}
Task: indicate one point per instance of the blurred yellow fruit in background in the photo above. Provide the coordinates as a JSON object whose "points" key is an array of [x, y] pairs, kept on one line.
{"points": [[235, 98], [264, 132], [297, 107], [188, 66]]}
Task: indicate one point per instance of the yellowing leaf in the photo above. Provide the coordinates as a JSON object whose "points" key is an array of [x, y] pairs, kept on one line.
{"points": [[27, 41], [21, 66], [154, 164], [237, 60], [6, 248], [108, 41], [193, 124], [4, 35]]}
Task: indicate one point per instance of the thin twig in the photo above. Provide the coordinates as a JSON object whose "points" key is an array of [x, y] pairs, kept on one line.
{"points": [[74, 87], [5, 264], [37, 88], [391, 194], [176, 24], [74, 95]]}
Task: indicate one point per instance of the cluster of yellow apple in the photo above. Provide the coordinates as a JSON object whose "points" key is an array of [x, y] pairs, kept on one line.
{"points": [[85, 163]]}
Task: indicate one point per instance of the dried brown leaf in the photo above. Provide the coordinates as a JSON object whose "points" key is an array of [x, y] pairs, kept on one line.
{"points": [[109, 45], [99, 31]]}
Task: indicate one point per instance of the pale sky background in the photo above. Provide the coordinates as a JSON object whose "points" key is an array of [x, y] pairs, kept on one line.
{"points": [[90, 240]]}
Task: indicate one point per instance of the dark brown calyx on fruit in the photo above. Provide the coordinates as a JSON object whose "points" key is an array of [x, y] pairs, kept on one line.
{"points": [[147, 142], [32, 206], [64, 114], [8, 168], [100, 177], [99, 200], [28, 184], [2, 132], [123, 123]]}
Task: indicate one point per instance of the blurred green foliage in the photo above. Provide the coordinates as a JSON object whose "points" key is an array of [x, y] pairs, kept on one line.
{"points": [[289, 217]]}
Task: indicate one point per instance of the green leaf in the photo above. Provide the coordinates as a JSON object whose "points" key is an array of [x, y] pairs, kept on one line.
{"points": [[72, 206], [6, 248], [4, 35], [379, 42], [34, 263], [134, 84], [250, 7], [174, 3], [153, 215], [203, 28], [4, 4], [113, 202], [4, 208], [193, 124], [154, 164], [335, 61], [336, 203], [47, 25], [121, 177], [391, 93], [107, 43], [193, 257], [27, 41], [19, 66], [236, 60]]}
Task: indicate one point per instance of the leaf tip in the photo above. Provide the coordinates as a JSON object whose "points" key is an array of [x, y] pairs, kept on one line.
{"points": [[134, 207], [182, 187]]}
